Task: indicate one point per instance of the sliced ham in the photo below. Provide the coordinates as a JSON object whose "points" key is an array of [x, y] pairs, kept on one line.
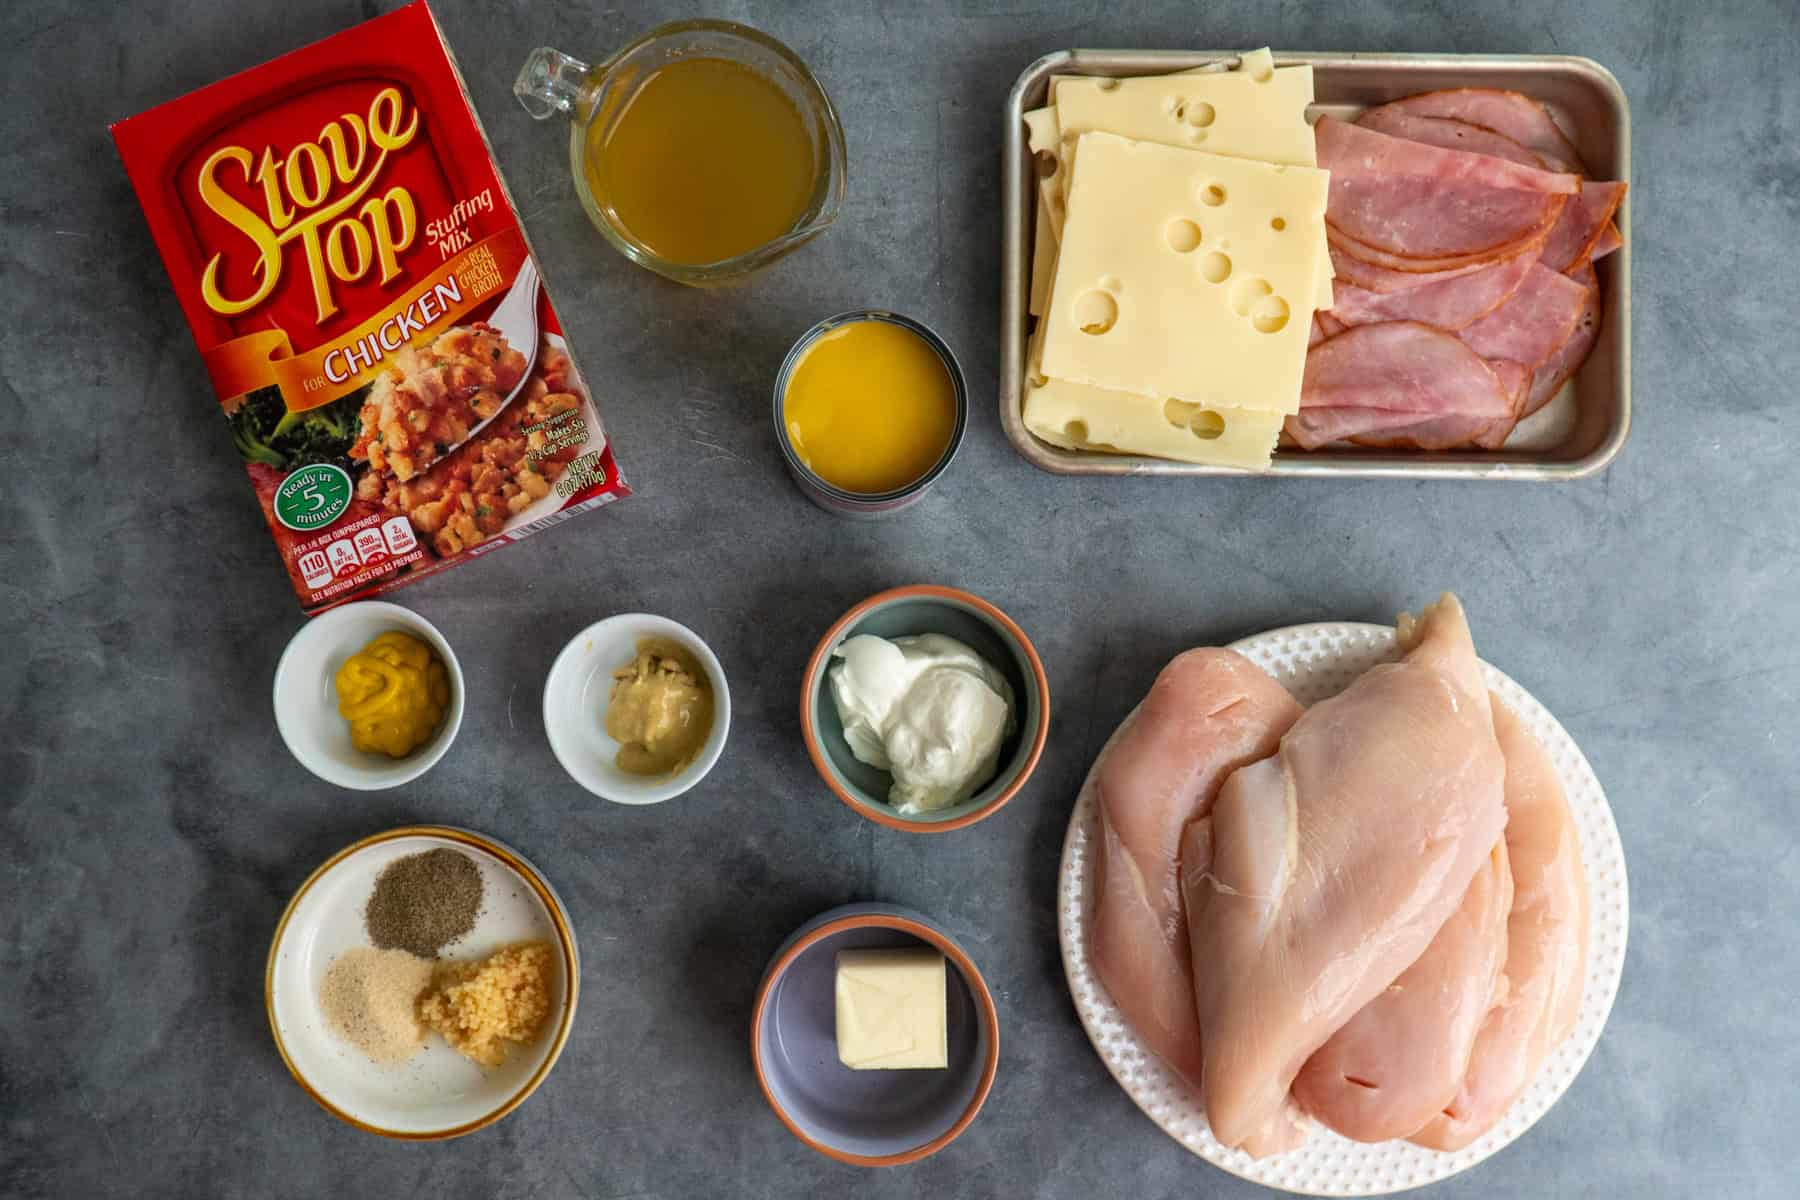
{"points": [[1403, 366], [1584, 222], [1455, 432], [1534, 322], [1448, 304], [1355, 272], [1360, 152], [1494, 436], [1519, 117], [1610, 239], [1424, 215], [1462, 239], [1437, 433], [1315, 428], [1379, 428], [1443, 433], [1584, 218], [1515, 377], [1449, 133], [1416, 207], [1551, 375]]}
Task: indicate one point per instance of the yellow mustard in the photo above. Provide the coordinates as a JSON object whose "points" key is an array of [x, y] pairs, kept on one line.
{"points": [[393, 692]]}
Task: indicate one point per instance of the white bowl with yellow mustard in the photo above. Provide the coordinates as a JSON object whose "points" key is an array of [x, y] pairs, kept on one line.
{"points": [[637, 708], [368, 696]]}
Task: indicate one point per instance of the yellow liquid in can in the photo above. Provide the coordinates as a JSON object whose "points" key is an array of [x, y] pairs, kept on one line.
{"points": [[870, 407], [709, 160]]}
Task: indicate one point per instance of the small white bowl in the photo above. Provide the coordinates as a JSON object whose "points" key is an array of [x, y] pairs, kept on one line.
{"points": [[306, 709], [575, 698]]}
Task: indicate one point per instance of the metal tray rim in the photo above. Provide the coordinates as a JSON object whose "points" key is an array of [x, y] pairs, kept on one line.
{"points": [[1371, 465]]}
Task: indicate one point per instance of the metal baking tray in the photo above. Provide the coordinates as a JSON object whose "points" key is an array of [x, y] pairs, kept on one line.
{"points": [[1577, 434]]}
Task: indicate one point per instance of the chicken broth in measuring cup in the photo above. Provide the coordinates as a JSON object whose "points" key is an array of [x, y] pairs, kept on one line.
{"points": [[704, 151], [709, 161]]}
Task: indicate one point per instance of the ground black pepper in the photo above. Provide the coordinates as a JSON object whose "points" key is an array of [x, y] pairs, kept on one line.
{"points": [[423, 902]]}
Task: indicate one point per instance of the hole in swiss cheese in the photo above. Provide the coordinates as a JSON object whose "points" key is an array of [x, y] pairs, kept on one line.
{"points": [[1183, 235], [1096, 311]]}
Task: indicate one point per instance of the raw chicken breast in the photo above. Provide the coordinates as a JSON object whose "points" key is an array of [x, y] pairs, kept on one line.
{"points": [[1547, 944], [1400, 1060], [1332, 865], [1289, 1128], [1208, 713]]}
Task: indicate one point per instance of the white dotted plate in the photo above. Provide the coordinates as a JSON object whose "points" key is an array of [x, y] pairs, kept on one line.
{"points": [[1315, 662]]}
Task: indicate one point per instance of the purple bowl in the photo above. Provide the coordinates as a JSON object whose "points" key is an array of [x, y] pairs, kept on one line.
{"points": [[868, 1118]]}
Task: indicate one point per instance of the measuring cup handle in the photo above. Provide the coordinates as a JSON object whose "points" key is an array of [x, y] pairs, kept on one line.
{"points": [[550, 82]]}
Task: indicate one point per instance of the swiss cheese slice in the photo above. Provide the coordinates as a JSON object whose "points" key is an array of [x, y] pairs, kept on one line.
{"points": [[1051, 197], [1079, 416], [1044, 136], [1186, 275], [1256, 111], [1043, 259], [1224, 112], [1042, 130], [1056, 81]]}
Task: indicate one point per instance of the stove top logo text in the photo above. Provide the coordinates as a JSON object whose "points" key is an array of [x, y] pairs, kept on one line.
{"points": [[319, 195]]}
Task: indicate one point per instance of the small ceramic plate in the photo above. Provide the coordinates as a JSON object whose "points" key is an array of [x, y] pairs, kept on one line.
{"points": [[575, 698], [1315, 662], [437, 1093]]}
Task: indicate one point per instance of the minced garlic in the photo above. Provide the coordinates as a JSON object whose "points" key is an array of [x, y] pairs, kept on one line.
{"points": [[480, 1006]]}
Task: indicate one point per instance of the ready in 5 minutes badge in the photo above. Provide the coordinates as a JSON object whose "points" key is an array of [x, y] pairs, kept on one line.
{"points": [[313, 497]]}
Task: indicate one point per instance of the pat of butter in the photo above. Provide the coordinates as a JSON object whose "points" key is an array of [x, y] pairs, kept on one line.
{"points": [[891, 1010]]}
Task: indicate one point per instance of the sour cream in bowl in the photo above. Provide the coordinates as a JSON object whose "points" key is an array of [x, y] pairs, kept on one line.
{"points": [[925, 708]]}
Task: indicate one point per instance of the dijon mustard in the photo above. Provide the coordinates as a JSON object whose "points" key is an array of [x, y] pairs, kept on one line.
{"points": [[660, 710]]}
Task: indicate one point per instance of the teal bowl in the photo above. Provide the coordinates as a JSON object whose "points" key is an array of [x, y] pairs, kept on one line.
{"points": [[907, 611]]}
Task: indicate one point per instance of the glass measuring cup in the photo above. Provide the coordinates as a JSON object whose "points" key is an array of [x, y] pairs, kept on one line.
{"points": [[599, 98]]}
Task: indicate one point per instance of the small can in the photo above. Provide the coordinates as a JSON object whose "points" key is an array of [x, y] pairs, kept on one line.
{"points": [[834, 499]]}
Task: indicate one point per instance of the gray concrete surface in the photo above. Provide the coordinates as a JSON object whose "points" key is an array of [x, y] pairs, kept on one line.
{"points": [[152, 825]]}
